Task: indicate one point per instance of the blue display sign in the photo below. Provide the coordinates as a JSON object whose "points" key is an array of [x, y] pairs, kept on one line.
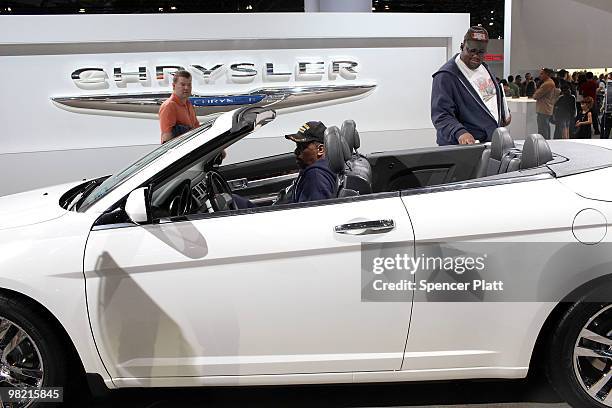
{"points": [[226, 100]]}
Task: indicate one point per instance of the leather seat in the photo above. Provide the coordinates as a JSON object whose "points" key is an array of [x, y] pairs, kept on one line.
{"points": [[492, 158], [536, 152], [511, 161], [349, 132], [359, 171], [338, 154]]}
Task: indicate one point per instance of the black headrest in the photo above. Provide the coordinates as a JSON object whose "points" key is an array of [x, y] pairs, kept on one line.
{"points": [[501, 142], [536, 152], [336, 150], [350, 134]]}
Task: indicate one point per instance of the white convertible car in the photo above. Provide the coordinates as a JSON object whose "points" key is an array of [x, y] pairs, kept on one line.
{"points": [[152, 277]]}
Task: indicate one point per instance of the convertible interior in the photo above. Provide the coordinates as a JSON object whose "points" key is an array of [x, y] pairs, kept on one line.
{"points": [[209, 186]]}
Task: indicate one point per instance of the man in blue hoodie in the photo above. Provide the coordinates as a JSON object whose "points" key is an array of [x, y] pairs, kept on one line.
{"points": [[316, 181], [467, 104]]}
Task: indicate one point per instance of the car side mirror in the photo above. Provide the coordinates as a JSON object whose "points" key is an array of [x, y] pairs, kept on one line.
{"points": [[136, 205]]}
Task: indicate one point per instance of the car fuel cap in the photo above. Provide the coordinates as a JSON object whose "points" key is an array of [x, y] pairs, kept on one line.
{"points": [[590, 226]]}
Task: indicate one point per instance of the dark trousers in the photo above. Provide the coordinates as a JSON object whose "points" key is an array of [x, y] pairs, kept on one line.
{"points": [[544, 125], [606, 126], [595, 115], [558, 131], [242, 203]]}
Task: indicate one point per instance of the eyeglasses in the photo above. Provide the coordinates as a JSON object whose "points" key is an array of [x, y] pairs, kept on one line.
{"points": [[474, 51]]}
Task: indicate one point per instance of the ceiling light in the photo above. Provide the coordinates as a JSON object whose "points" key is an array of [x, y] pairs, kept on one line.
{"points": [[81, 10]]}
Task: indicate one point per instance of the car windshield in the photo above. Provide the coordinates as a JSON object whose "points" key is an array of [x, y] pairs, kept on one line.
{"points": [[112, 182]]}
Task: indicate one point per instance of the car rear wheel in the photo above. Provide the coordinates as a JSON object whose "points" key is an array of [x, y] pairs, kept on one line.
{"points": [[580, 358], [30, 351]]}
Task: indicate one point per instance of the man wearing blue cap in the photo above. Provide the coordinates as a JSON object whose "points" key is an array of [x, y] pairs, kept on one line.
{"points": [[316, 181]]}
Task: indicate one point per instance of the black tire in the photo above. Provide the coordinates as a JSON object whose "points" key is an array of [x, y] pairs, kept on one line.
{"points": [[566, 375], [41, 332]]}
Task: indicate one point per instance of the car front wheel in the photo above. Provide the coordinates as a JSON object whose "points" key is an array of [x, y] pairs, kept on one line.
{"points": [[30, 353], [580, 358]]}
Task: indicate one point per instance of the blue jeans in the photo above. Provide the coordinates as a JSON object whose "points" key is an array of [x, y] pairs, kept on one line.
{"points": [[544, 125]]}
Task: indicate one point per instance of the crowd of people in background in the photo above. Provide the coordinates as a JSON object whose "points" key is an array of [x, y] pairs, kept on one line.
{"points": [[573, 103]]}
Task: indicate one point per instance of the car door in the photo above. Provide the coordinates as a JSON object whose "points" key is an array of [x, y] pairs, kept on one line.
{"points": [[261, 179], [264, 291], [487, 337]]}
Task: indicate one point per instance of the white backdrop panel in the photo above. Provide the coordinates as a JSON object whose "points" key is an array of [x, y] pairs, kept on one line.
{"points": [[400, 101], [397, 52], [558, 34]]}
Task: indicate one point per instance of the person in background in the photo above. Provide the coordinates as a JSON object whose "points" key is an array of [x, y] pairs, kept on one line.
{"points": [[581, 79], [506, 87], [176, 114], [545, 97], [553, 119], [606, 118], [519, 83], [515, 90], [601, 91], [563, 78], [529, 86], [584, 120], [565, 112], [573, 82], [589, 89]]}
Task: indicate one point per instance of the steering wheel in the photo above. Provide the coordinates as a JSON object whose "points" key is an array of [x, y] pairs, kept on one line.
{"points": [[181, 199], [219, 192]]}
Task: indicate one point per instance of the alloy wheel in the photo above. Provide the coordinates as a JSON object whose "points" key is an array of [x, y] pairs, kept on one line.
{"points": [[21, 364], [593, 357]]}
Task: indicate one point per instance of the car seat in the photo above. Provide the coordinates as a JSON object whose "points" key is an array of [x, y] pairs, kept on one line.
{"points": [[536, 152], [359, 172], [492, 159]]}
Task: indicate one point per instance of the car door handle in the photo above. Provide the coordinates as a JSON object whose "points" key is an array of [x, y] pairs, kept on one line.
{"points": [[365, 227]]}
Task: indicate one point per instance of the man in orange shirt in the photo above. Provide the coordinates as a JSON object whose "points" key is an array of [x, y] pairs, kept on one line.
{"points": [[177, 115]]}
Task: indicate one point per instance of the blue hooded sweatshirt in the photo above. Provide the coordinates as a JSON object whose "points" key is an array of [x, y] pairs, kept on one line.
{"points": [[315, 182], [456, 108]]}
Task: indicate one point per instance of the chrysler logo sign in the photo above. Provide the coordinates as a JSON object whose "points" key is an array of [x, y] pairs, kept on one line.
{"points": [[96, 77], [298, 95]]}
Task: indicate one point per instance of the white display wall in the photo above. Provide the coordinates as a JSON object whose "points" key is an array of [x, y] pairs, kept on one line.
{"points": [[557, 34], [42, 143]]}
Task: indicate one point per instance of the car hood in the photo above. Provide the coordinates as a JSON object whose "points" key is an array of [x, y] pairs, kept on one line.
{"points": [[32, 207]]}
